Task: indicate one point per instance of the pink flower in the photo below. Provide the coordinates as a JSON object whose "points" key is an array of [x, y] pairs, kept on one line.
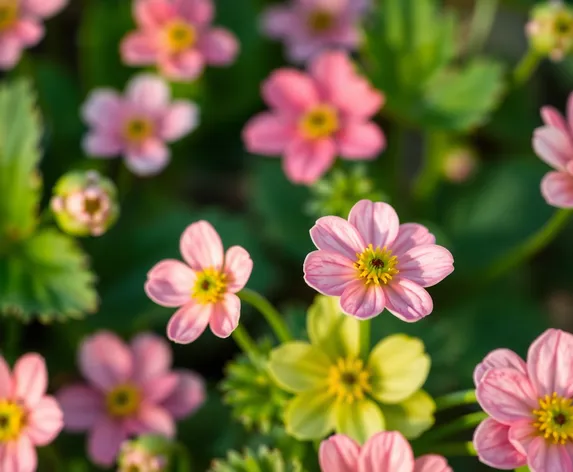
{"points": [[130, 391], [177, 37], [553, 143], [373, 262], [530, 405], [316, 116], [204, 288], [387, 451], [21, 26], [28, 416], [137, 125], [308, 27]]}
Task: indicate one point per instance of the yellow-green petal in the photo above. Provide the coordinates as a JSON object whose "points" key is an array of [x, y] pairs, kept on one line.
{"points": [[310, 415], [359, 420], [335, 333], [399, 367], [298, 366], [411, 417]]}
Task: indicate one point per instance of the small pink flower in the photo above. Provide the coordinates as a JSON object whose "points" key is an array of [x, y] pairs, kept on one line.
{"points": [[553, 143], [177, 37], [130, 390], [373, 262], [137, 125], [21, 26], [387, 451], [315, 117], [204, 288], [530, 405], [308, 27], [28, 416]]}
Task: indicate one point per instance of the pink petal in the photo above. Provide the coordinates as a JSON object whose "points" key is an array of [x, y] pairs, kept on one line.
{"points": [[552, 117], [42, 8], [268, 134], [305, 161], [153, 13], [289, 90], [149, 159], [150, 92], [279, 21], [102, 109], [547, 457], [426, 265], [105, 360], [362, 301], [407, 300], [151, 357], [139, 49], [335, 234], [201, 246], [30, 379], [152, 419], [198, 12], [5, 379], [339, 453], [104, 441], [409, 236], [493, 447], [18, 456], [219, 47], [377, 222], [158, 388], [549, 363], [188, 323], [432, 463], [188, 396], [386, 451], [180, 119], [569, 115], [328, 272], [99, 144], [557, 189], [82, 407], [553, 146], [238, 266], [170, 283], [361, 141], [184, 67], [521, 434], [10, 51], [499, 358], [507, 395], [45, 421], [29, 31], [225, 316]]}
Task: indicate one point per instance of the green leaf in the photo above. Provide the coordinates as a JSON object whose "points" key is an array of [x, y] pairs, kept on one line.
{"points": [[46, 276]]}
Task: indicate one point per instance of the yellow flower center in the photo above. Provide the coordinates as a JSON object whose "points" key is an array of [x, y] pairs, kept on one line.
{"points": [[8, 13], [12, 421], [348, 380], [320, 122], [210, 287], [138, 129], [376, 266], [563, 24], [555, 418], [320, 21], [180, 36], [123, 400]]}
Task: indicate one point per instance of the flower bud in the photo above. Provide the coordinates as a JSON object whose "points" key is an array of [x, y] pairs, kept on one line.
{"points": [[148, 453], [460, 163], [550, 29]]}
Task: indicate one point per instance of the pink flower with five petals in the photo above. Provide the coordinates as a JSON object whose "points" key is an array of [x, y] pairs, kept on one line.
{"points": [[373, 262]]}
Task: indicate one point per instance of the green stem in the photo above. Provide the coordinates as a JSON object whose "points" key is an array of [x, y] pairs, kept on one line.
{"points": [[270, 313], [12, 337], [482, 22], [393, 164], [364, 339], [457, 449], [245, 342], [451, 400], [526, 67], [464, 423], [432, 167], [529, 247]]}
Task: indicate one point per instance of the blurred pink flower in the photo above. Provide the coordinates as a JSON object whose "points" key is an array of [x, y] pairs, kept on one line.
{"points": [[21, 26], [137, 125], [530, 405], [130, 390], [28, 416], [316, 116], [553, 143], [387, 451], [204, 288], [309, 27], [177, 37], [373, 262]]}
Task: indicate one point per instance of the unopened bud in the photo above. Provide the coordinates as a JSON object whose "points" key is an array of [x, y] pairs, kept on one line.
{"points": [[550, 29], [148, 453], [460, 163]]}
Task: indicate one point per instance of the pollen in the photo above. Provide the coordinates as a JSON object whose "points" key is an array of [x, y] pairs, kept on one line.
{"points": [[180, 36], [555, 419], [123, 400], [12, 421], [138, 129], [8, 13], [348, 380], [210, 287], [319, 122], [376, 265]]}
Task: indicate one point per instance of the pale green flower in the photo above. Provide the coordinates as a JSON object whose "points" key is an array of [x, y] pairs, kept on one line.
{"points": [[336, 390]]}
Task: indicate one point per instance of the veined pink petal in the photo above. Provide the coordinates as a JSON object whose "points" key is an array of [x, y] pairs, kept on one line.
{"points": [[238, 266], [10, 51], [30, 379], [499, 358], [552, 117], [45, 421], [153, 13], [377, 222], [335, 234], [557, 189], [225, 316], [409, 236], [150, 92], [432, 463], [201, 246], [180, 118], [407, 300], [139, 49], [185, 67], [104, 441], [219, 47], [29, 31], [268, 134], [289, 90], [360, 141], [103, 109], [189, 322], [198, 12], [491, 440], [170, 283], [549, 363], [18, 456], [507, 395], [151, 357], [278, 21], [545, 456], [521, 434], [339, 453], [188, 396], [554, 146], [362, 301], [328, 272], [82, 407], [386, 451], [426, 265], [42, 8], [148, 159], [102, 144], [305, 161], [158, 388]]}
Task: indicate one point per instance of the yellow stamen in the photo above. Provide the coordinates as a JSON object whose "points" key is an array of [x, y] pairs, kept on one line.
{"points": [[12, 420], [376, 266], [123, 400], [179, 36], [8, 13], [555, 418], [210, 287], [138, 129], [320, 122], [348, 380], [320, 21]]}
